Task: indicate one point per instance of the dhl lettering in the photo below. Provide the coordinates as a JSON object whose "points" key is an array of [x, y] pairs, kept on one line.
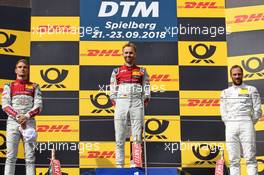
{"points": [[249, 18], [54, 128], [99, 154], [209, 5], [203, 102], [55, 28], [160, 77], [104, 52]]}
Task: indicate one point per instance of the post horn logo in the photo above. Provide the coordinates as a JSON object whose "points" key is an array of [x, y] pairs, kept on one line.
{"points": [[261, 172], [162, 126], [213, 152], [99, 105], [7, 42], [60, 77], [3, 144], [253, 71], [209, 51]]}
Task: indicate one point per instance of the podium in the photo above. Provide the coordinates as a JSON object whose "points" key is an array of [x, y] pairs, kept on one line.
{"points": [[138, 171]]}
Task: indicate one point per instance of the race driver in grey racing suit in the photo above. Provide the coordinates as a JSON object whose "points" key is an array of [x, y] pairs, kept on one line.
{"points": [[130, 90], [240, 108], [21, 100]]}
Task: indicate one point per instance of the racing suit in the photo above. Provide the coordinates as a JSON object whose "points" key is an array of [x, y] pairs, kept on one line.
{"points": [[20, 97], [240, 108], [129, 87]]}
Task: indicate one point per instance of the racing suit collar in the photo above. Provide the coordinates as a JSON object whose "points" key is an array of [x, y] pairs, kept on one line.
{"points": [[239, 86], [128, 66], [21, 81]]}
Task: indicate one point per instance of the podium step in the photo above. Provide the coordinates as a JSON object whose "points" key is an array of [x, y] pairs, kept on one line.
{"points": [[138, 171]]}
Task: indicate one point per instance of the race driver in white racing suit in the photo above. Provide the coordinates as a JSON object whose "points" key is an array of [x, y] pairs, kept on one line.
{"points": [[21, 100], [130, 92], [240, 108]]}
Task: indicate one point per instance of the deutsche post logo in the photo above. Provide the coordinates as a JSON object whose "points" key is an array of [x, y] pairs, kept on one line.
{"points": [[162, 126], [209, 51], [97, 102], [7, 41], [60, 76], [256, 70], [261, 172], [3, 144], [213, 151]]}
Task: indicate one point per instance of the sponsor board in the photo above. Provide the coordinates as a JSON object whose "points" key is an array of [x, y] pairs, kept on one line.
{"points": [[94, 103], [200, 103], [253, 66], [101, 53], [57, 128], [245, 18], [202, 53], [163, 78], [202, 8], [55, 28], [162, 128], [201, 154], [56, 77], [14, 42], [102, 156]]}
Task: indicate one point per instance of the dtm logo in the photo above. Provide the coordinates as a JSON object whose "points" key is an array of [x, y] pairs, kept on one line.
{"points": [[162, 126], [3, 144], [208, 5], [7, 41], [55, 128], [104, 52], [209, 51], [248, 18], [212, 152], [256, 70], [97, 102], [203, 102], [137, 9], [260, 163], [100, 154], [60, 76]]}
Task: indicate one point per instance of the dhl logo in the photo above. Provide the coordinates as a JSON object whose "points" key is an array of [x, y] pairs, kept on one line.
{"points": [[208, 5], [203, 102], [55, 128], [247, 18], [161, 77], [104, 52], [1, 90], [53, 28], [101, 154]]}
